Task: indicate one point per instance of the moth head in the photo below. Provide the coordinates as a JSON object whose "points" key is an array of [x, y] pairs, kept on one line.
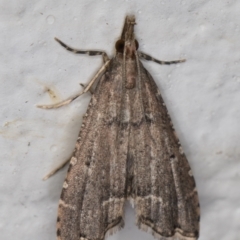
{"points": [[127, 42]]}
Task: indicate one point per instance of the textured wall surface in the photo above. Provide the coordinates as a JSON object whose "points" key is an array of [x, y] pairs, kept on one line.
{"points": [[202, 96]]}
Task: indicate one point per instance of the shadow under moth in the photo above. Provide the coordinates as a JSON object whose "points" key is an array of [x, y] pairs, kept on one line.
{"points": [[127, 149]]}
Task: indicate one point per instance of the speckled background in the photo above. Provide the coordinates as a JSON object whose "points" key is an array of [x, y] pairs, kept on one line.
{"points": [[202, 96]]}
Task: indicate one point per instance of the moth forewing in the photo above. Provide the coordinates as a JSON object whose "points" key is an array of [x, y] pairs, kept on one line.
{"points": [[127, 149]]}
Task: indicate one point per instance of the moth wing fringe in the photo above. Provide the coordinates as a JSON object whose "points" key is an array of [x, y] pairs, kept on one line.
{"points": [[177, 235], [114, 229], [148, 229]]}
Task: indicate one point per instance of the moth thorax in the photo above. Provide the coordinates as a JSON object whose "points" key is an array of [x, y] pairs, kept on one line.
{"points": [[131, 73], [120, 45]]}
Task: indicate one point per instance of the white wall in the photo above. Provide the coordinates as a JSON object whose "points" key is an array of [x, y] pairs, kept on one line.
{"points": [[202, 96]]}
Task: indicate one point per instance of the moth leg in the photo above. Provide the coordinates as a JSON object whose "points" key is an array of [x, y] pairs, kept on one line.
{"points": [[89, 52], [88, 87], [149, 58], [62, 165]]}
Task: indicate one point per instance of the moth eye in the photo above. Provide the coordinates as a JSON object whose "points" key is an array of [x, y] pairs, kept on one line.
{"points": [[119, 46], [137, 45]]}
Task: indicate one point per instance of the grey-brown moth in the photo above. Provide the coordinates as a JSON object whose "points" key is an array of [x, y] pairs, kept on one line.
{"points": [[127, 149]]}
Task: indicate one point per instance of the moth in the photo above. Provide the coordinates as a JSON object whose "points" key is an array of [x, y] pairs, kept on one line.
{"points": [[127, 149]]}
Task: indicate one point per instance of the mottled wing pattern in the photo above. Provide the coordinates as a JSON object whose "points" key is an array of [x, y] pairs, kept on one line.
{"points": [[92, 202], [127, 147], [163, 188]]}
